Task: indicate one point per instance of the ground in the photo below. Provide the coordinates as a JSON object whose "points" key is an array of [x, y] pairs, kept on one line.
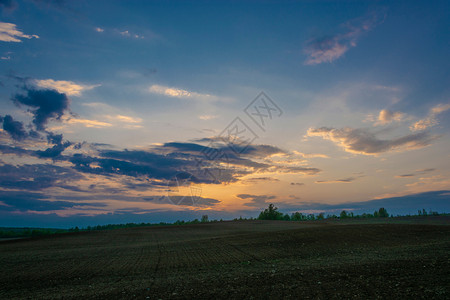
{"points": [[235, 260]]}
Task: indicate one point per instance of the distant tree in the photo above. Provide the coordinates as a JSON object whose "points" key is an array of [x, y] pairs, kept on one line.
{"points": [[343, 215], [320, 216], [299, 217], [286, 217], [204, 219], [270, 213], [382, 213]]}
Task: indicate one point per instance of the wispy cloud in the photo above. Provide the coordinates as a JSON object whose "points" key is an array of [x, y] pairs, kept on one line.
{"points": [[405, 175], [362, 141], [421, 171], [10, 33], [69, 88], [88, 123], [207, 117], [344, 180], [431, 119], [177, 92], [6, 56], [99, 29], [327, 49], [127, 33]]}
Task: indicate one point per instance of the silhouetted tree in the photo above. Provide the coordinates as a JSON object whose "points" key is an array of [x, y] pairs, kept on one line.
{"points": [[270, 213], [382, 213]]}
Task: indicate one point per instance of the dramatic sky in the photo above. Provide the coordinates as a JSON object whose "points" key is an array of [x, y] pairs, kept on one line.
{"points": [[132, 111]]}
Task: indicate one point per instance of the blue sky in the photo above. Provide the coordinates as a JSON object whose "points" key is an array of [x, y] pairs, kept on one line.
{"points": [[107, 106]]}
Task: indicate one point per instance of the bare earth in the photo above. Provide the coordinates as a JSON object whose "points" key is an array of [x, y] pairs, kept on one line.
{"points": [[234, 260]]}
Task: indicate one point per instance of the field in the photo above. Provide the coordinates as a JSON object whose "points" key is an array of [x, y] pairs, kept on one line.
{"points": [[235, 260]]}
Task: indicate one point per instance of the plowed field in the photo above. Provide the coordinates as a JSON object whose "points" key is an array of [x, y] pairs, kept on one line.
{"points": [[235, 260]]}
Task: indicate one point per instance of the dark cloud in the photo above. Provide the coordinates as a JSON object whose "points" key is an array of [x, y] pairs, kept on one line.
{"points": [[344, 180], [297, 183], [5, 149], [58, 147], [45, 105], [426, 170], [130, 163], [26, 201], [421, 171], [14, 128], [217, 152], [363, 141], [260, 179], [36, 176], [405, 175]]}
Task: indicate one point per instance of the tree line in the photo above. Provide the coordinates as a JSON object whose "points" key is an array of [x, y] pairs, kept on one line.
{"points": [[270, 213]]}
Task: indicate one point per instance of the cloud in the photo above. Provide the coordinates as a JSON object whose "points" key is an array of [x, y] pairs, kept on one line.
{"points": [[431, 120], [421, 171], [127, 119], [362, 141], [207, 117], [256, 200], [29, 201], [58, 147], [98, 29], [405, 175], [386, 116], [297, 183], [69, 88], [87, 123], [426, 170], [344, 180], [36, 176], [14, 128], [260, 179], [6, 56], [329, 48], [176, 92], [46, 104], [10, 33], [127, 33]]}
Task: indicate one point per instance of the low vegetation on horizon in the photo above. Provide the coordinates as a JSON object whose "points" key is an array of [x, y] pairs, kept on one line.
{"points": [[270, 213]]}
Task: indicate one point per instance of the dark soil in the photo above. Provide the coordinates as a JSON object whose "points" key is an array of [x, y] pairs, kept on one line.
{"points": [[233, 260]]}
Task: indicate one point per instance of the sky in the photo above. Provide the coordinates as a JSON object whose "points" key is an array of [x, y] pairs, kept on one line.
{"points": [[151, 111]]}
